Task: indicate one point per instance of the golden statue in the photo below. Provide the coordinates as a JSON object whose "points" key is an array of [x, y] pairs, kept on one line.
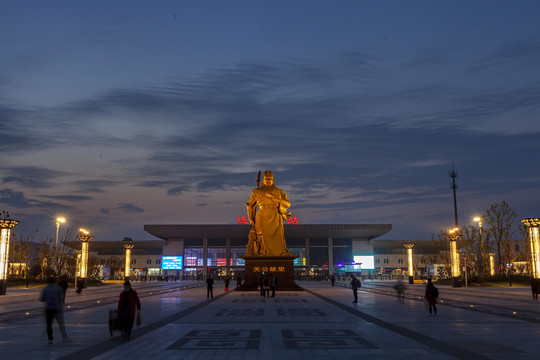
{"points": [[267, 237]]}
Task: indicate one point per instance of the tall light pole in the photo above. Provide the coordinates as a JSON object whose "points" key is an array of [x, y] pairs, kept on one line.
{"points": [[83, 268], [453, 235], [534, 241], [128, 245], [410, 262], [59, 221], [453, 174], [478, 219], [6, 224]]}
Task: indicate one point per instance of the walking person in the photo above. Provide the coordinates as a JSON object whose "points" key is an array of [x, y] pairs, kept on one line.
{"points": [[238, 281], [128, 304], [431, 295], [261, 284], [209, 287], [227, 282], [266, 286], [535, 284], [333, 279], [400, 288], [355, 284], [53, 297], [273, 284]]}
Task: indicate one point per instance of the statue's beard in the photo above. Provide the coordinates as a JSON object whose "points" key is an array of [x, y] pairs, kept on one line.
{"points": [[268, 187]]}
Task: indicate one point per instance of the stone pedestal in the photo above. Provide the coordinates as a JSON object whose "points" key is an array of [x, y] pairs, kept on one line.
{"points": [[280, 266]]}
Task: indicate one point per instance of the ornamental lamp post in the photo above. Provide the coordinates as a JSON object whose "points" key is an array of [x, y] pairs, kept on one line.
{"points": [[491, 264], [478, 219], [410, 270], [453, 235], [83, 267], [128, 245], [5, 233], [534, 241], [59, 221]]}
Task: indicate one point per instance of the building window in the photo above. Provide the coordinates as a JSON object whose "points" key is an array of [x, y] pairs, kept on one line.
{"points": [[133, 261], [158, 261], [400, 261], [148, 261], [377, 261], [385, 261]]}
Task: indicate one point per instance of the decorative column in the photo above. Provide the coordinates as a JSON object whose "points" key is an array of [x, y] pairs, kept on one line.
{"points": [[85, 239], [492, 264], [453, 235], [331, 257], [205, 258], [128, 245], [228, 256], [5, 233], [77, 265], [410, 270], [534, 241]]}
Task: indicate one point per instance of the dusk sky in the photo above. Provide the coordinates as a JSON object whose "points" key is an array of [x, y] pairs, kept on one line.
{"points": [[117, 114]]}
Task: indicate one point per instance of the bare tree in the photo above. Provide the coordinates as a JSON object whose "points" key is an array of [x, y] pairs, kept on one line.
{"points": [[443, 250], [20, 252], [499, 219], [469, 240]]}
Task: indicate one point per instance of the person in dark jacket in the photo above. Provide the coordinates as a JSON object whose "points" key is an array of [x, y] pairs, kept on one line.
{"points": [[355, 284], [53, 296], [209, 287], [238, 281], [431, 295], [535, 284], [333, 280], [128, 305], [227, 282]]}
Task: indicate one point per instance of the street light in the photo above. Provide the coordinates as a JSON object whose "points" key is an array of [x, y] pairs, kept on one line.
{"points": [[5, 232], [128, 245], [453, 235], [85, 239], [534, 241], [59, 221], [478, 219], [410, 262]]}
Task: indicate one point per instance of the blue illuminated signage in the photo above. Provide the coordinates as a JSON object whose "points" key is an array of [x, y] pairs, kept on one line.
{"points": [[171, 262]]}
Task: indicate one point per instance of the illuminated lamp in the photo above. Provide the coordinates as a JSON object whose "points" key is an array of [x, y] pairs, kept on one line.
{"points": [[452, 236], [410, 270], [534, 241], [85, 239], [128, 245], [5, 233]]}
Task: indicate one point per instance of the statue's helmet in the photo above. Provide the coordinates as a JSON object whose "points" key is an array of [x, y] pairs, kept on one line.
{"points": [[268, 173]]}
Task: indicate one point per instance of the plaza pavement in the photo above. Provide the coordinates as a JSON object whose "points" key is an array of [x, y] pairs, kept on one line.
{"points": [[319, 323]]}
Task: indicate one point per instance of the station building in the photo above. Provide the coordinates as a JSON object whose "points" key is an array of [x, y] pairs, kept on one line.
{"points": [[321, 249]]}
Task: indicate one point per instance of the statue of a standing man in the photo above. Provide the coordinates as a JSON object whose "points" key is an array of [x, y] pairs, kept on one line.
{"points": [[267, 222]]}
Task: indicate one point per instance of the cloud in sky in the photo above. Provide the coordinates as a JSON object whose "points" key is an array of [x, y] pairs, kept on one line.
{"points": [[357, 128]]}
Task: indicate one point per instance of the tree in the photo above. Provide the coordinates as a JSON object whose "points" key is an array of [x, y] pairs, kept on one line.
{"points": [[470, 240], [499, 219], [443, 251], [20, 252]]}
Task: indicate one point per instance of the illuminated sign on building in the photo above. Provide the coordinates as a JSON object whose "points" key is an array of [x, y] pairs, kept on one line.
{"points": [[171, 262], [242, 220], [364, 262], [292, 221]]}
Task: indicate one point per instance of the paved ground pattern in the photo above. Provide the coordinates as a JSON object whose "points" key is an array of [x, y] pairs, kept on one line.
{"points": [[318, 323]]}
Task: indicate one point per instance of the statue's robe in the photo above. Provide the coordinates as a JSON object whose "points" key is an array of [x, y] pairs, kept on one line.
{"points": [[269, 219]]}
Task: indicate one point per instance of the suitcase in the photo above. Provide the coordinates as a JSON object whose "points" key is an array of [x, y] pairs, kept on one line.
{"points": [[114, 323]]}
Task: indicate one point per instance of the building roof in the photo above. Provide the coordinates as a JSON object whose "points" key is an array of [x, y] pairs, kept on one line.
{"points": [[353, 231]]}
